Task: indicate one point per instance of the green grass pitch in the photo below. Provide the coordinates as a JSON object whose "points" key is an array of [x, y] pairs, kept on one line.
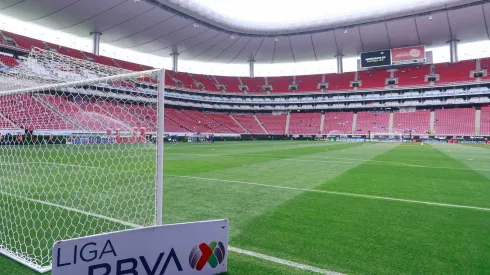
{"points": [[352, 208]]}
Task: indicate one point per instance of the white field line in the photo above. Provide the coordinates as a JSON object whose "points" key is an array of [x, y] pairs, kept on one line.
{"points": [[284, 262], [338, 193], [230, 248], [72, 210], [287, 187]]}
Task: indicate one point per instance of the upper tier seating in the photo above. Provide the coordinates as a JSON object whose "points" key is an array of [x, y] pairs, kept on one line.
{"points": [[254, 84], [275, 124], [305, 123], [373, 78], [231, 83], [417, 122], [207, 81], [308, 83], [412, 75], [24, 42], [372, 122], [338, 82], [458, 121], [280, 84], [249, 123], [457, 72], [338, 123]]}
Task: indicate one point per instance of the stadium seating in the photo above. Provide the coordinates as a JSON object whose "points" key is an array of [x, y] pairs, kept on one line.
{"points": [[24, 42], [485, 121], [338, 82], [308, 83], [227, 122], [458, 121], [207, 81], [8, 61], [29, 113], [280, 84], [412, 75], [338, 123], [249, 123], [305, 123], [231, 83], [5, 124], [187, 121], [275, 124], [373, 78], [417, 122], [254, 84], [120, 112], [455, 72], [88, 115], [372, 122]]}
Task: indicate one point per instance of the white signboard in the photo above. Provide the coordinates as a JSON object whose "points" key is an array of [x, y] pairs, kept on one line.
{"points": [[188, 248]]}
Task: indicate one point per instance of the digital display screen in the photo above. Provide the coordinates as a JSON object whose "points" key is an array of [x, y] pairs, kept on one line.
{"points": [[376, 59]]}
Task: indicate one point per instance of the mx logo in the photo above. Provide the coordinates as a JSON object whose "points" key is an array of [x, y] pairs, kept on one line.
{"points": [[213, 254]]}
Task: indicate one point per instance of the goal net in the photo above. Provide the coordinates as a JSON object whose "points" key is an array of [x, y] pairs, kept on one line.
{"points": [[81, 149], [386, 137]]}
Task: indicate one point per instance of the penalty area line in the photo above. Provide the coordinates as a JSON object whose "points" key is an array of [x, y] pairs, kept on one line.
{"points": [[338, 193], [133, 225]]}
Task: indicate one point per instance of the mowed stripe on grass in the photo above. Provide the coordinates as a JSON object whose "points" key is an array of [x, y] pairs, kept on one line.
{"points": [[363, 236]]}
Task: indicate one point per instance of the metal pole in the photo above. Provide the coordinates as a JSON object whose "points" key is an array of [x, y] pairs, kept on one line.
{"points": [[160, 138], [96, 42], [453, 50], [175, 62], [340, 67], [251, 64]]}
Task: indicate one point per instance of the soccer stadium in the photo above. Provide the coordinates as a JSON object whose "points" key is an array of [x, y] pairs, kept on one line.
{"points": [[333, 138]]}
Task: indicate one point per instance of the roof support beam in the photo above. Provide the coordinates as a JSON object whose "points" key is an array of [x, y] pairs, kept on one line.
{"points": [[340, 65], [453, 50], [96, 42], [175, 62], [251, 67]]}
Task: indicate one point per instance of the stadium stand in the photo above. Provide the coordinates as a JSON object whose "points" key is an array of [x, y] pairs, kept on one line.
{"points": [[415, 122], [338, 123], [280, 84], [338, 82], [254, 84], [305, 123], [485, 121], [455, 72], [308, 83], [412, 75], [275, 124], [39, 117], [8, 60], [207, 81], [249, 123], [227, 122], [231, 83], [457, 121], [373, 122], [373, 79]]}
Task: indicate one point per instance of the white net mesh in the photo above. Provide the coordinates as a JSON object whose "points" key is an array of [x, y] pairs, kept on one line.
{"points": [[77, 157]]}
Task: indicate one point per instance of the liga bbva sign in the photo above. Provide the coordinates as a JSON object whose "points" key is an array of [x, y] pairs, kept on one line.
{"points": [[188, 248]]}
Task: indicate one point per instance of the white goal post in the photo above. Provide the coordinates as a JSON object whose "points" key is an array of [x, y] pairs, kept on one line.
{"points": [[81, 153]]}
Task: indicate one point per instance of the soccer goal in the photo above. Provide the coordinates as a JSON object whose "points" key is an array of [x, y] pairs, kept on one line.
{"points": [[386, 137], [81, 153]]}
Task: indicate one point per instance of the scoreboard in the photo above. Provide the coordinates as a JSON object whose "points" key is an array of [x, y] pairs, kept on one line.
{"points": [[398, 56]]}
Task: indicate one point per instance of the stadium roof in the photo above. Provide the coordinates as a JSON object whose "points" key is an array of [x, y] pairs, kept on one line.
{"points": [[227, 31]]}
